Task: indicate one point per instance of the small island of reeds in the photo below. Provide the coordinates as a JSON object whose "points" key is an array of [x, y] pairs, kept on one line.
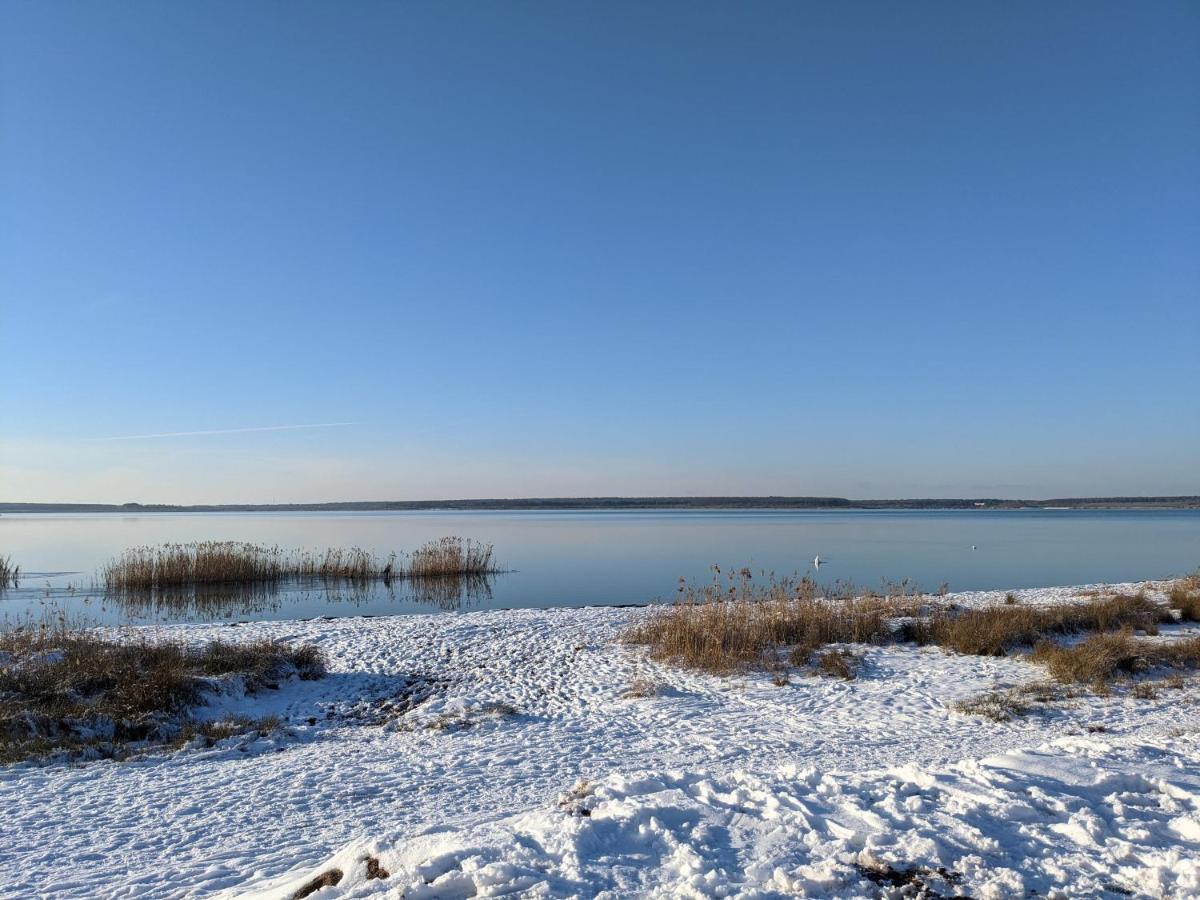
{"points": [[151, 568]]}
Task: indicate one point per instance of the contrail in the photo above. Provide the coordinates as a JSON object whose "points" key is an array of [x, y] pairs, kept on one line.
{"points": [[171, 434]]}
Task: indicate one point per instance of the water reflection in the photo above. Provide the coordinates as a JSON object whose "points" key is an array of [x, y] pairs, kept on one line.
{"points": [[217, 602]]}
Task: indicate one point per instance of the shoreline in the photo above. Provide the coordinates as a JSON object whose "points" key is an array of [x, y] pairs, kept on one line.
{"points": [[523, 705]]}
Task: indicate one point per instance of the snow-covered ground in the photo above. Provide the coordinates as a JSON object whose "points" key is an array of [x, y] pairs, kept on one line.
{"points": [[523, 767]]}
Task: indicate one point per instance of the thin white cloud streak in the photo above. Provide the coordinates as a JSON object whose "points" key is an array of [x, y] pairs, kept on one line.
{"points": [[172, 434]]}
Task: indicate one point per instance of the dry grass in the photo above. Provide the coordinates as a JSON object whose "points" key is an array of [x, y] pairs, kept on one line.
{"points": [[727, 626], [1099, 657], [232, 562], [999, 706], [997, 630], [451, 556], [1005, 705], [9, 573], [837, 664], [69, 689], [641, 689], [1184, 595]]}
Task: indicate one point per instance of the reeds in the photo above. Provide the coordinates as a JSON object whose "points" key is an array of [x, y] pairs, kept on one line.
{"points": [[726, 626], [154, 568], [9, 573], [997, 630], [451, 556]]}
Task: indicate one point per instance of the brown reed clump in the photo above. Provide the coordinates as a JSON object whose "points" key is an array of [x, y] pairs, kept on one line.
{"points": [[726, 626], [206, 562], [1184, 595], [232, 562], [997, 630], [9, 573], [451, 556], [1099, 657]]}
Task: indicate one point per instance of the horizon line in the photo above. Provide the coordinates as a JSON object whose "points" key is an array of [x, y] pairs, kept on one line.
{"points": [[211, 431]]}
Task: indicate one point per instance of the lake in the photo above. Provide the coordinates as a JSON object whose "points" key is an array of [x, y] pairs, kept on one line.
{"points": [[584, 558]]}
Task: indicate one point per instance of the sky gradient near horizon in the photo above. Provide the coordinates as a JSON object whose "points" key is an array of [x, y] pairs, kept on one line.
{"points": [[545, 249]]}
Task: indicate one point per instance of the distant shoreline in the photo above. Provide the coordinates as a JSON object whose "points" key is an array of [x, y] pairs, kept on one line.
{"points": [[622, 503]]}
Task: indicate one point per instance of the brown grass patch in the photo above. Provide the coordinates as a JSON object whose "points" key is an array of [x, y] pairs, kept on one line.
{"points": [[837, 664], [997, 630], [70, 689], [729, 626], [1098, 658], [1184, 595]]}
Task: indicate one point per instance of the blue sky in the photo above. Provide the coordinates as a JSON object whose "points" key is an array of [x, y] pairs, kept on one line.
{"points": [[533, 249]]}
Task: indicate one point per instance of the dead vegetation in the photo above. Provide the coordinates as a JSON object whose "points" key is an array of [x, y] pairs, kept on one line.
{"points": [[154, 568], [1006, 705], [71, 690], [641, 689], [837, 664], [451, 556], [738, 624], [998, 630], [10, 573], [1100, 657], [1184, 595]]}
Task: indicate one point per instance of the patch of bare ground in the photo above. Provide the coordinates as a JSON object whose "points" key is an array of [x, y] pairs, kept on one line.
{"points": [[324, 880]]}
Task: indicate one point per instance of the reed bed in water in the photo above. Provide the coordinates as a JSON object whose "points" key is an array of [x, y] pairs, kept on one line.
{"points": [[233, 562], [451, 556], [9, 573]]}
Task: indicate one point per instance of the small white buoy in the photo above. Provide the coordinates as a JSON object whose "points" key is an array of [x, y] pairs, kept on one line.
{"points": [[972, 546]]}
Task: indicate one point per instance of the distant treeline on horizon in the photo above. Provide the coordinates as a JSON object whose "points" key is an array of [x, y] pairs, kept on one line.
{"points": [[619, 503]]}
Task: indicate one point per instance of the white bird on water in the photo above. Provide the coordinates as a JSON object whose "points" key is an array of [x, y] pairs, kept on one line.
{"points": [[817, 562]]}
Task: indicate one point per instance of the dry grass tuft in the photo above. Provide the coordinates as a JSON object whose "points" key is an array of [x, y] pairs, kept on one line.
{"points": [[1094, 660], [997, 630], [837, 664], [1184, 595], [1100, 657], [641, 689], [999, 706], [70, 689], [728, 626]]}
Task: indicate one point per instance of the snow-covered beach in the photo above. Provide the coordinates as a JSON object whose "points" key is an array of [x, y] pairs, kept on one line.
{"points": [[504, 752]]}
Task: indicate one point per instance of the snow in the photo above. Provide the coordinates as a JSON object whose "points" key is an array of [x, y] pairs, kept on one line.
{"points": [[461, 750]]}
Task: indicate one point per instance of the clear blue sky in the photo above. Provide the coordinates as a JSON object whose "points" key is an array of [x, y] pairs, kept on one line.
{"points": [[856, 249]]}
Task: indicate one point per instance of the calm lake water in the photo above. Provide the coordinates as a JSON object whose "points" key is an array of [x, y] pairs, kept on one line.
{"points": [[586, 558]]}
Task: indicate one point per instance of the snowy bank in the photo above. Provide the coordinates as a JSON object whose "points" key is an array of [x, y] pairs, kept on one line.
{"points": [[442, 745], [1077, 817]]}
